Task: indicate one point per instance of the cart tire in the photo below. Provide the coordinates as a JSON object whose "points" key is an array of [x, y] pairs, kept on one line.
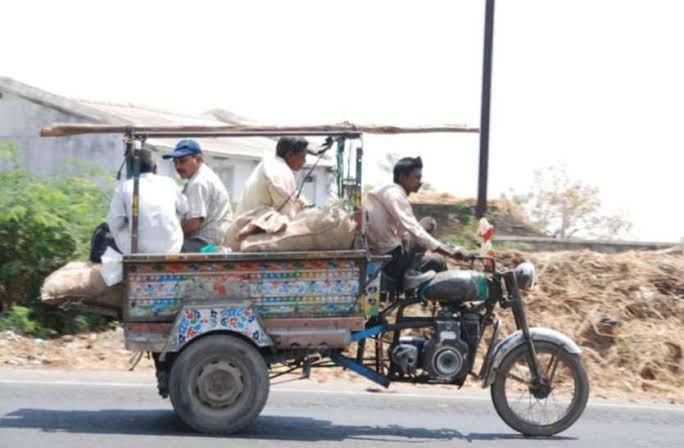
{"points": [[575, 374], [219, 384]]}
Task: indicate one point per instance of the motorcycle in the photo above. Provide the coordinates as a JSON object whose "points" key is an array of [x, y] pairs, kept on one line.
{"points": [[537, 381]]}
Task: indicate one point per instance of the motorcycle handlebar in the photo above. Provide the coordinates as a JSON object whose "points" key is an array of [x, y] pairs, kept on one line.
{"points": [[473, 258]]}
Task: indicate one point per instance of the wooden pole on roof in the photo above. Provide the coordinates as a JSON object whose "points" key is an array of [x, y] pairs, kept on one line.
{"points": [[68, 129]]}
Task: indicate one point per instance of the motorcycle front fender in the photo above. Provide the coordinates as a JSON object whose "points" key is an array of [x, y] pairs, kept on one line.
{"points": [[515, 339]]}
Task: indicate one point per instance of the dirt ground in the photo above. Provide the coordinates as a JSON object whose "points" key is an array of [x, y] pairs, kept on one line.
{"points": [[625, 310]]}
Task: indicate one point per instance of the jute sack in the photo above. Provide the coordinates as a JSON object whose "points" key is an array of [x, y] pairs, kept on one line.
{"points": [[81, 281], [330, 228], [261, 219]]}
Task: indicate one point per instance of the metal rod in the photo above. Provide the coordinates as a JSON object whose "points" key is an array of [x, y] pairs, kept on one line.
{"points": [[135, 207], [376, 377], [348, 134], [485, 109], [358, 187]]}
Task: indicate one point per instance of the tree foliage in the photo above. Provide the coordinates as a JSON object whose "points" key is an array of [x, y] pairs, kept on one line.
{"points": [[45, 222], [567, 208]]}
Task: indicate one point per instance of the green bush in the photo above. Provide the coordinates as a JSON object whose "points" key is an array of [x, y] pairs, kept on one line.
{"points": [[46, 221], [18, 319]]}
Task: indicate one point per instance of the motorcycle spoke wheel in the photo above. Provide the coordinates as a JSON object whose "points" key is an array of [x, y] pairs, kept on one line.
{"points": [[543, 410]]}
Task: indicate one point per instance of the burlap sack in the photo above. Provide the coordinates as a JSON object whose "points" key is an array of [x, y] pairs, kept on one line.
{"points": [[81, 281], [259, 220], [330, 228]]}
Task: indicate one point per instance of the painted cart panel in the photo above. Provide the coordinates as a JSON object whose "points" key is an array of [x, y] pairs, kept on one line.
{"points": [[197, 320], [284, 285]]}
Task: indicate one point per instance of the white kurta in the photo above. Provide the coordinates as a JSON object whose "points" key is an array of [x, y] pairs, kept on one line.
{"points": [[391, 219], [271, 184], [161, 206]]}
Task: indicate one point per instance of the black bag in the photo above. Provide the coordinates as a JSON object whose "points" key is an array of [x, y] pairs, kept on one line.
{"points": [[102, 239]]}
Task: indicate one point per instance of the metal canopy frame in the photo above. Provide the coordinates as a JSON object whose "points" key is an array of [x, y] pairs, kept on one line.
{"points": [[348, 188]]}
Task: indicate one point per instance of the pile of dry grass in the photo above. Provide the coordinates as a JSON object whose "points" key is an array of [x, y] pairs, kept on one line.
{"points": [[625, 310]]}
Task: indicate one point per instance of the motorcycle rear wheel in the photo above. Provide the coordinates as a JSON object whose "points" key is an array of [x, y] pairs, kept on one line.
{"points": [[538, 412]]}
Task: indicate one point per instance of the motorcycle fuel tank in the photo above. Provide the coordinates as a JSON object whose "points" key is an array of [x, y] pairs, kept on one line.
{"points": [[456, 287]]}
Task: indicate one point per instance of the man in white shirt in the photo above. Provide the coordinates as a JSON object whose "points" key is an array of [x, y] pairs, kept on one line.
{"points": [[273, 183], [391, 221], [209, 211], [161, 204]]}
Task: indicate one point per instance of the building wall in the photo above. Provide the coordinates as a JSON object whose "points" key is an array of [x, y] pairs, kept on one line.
{"points": [[21, 120], [319, 187]]}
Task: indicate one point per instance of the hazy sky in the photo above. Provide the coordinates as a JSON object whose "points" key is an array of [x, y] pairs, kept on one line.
{"points": [[597, 85]]}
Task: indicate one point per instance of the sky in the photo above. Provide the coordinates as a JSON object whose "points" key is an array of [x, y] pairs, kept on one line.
{"points": [[594, 85]]}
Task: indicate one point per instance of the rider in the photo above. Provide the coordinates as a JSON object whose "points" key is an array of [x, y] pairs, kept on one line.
{"points": [[392, 226]]}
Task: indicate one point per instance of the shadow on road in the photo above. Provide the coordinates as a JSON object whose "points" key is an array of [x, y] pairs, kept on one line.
{"points": [[266, 427]]}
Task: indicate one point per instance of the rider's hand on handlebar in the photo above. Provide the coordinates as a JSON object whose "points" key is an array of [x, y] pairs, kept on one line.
{"points": [[457, 253]]}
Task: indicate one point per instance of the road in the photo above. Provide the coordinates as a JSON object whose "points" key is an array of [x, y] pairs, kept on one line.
{"points": [[55, 409]]}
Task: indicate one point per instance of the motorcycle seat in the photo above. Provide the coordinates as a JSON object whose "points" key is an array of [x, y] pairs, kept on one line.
{"points": [[413, 280]]}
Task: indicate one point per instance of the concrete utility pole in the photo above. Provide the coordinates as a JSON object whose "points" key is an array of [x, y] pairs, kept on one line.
{"points": [[484, 111]]}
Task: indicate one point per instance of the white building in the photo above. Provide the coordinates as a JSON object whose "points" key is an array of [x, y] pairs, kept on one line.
{"points": [[24, 110]]}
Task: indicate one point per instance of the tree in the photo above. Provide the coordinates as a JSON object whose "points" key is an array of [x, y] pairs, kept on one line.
{"points": [[568, 208], [45, 222]]}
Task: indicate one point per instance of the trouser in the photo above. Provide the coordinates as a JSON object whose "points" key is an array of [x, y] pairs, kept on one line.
{"points": [[412, 256], [193, 244], [404, 259]]}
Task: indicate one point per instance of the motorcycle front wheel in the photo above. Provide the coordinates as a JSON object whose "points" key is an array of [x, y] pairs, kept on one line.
{"points": [[542, 410]]}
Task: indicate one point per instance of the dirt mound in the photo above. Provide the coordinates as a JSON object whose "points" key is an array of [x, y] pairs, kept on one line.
{"points": [[433, 197], [625, 310], [505, 215]]}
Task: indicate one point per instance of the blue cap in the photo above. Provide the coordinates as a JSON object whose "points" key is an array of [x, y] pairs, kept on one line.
{"points": [[184, 148]]}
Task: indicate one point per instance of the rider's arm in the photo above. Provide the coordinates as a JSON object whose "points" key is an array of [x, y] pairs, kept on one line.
{"points": [[197, 199], [399, 208]]}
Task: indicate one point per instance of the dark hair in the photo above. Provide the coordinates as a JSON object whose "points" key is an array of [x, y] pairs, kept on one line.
{"points": [[286, 145], [147, 163], [405, 166]]}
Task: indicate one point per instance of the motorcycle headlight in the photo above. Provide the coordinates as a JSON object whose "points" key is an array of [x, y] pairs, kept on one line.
{"points": [[524, 274]]}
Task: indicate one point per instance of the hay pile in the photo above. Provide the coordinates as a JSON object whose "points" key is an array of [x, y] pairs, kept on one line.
{"points": [[625, 310]]}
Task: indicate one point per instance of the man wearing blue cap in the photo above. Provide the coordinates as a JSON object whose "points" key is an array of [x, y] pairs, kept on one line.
{"points": [[209, 210]]}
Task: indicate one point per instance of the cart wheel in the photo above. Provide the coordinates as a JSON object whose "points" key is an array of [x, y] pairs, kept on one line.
{"points": [[219, 384]]}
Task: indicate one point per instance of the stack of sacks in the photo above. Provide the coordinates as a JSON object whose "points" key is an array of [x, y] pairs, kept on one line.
{"points": [[265, 230]]}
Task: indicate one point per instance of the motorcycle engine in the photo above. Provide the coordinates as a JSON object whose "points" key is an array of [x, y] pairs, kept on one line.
{"points": [[445, 356], [406, 354]]}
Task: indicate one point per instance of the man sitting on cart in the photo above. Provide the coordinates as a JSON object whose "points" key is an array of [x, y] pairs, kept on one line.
{"points": [[209, 210], [273, 183], [393, 228], [161, 206]]}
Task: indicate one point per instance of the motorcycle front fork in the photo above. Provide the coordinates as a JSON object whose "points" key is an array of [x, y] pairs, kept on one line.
{"points": [[516, 304]]}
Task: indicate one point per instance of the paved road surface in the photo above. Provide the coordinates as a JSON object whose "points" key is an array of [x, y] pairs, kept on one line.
{"points": [[121, 409]]}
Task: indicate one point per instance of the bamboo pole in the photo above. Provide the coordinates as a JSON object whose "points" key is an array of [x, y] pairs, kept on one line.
{"points": [[64, 129]]}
